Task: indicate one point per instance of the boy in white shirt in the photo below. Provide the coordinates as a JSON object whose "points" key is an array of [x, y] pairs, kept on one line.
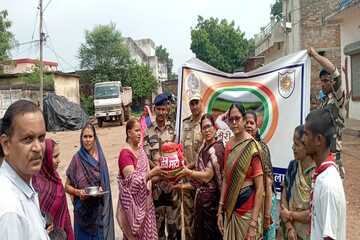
{"points": [[328, 205]]}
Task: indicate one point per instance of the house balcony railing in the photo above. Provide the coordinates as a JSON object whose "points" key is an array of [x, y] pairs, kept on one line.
{"points": [[270, 34]]}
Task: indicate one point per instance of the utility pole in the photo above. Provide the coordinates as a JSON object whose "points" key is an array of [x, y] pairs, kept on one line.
{"points": [[41, 55]]}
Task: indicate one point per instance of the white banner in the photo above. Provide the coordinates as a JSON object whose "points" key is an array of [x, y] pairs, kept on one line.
{"points": [[279, 92]]}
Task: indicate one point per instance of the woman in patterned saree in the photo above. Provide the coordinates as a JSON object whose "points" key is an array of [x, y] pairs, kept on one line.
{"points": [[242, 193], [270, 206], [93, 215], [135, 211], [295, 201], [206, 179]]}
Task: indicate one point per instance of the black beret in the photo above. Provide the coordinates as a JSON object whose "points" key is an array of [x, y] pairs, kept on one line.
{"points": [[161, 99], [323, 72]]}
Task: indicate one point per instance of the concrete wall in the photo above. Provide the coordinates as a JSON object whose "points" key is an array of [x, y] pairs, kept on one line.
{"points": [[350, 33], [135, 52], [293, 15], [67, 86], [162, 71], [170, 86], [254, 63], [7, 97], [275, 52], [147, 46], [25, 68]]}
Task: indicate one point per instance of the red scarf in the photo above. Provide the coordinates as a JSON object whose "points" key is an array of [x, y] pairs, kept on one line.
{"points": [[323, 166]]}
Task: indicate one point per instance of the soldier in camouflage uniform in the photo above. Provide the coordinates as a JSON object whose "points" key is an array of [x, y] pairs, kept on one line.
{"points": [[191, 140], [166, 200], [331, 85], [171, 108]]}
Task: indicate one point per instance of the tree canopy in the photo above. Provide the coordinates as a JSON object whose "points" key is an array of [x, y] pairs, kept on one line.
{"points": [[276, 9], [220, 44], [141, 80], [6, 37], [104, 55], [163, 55]]}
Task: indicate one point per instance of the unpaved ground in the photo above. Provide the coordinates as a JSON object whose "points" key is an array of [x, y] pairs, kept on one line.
{"points": [[112, 138]]}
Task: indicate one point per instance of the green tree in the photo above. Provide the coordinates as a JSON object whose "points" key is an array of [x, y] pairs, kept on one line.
{"points": [[104, 56], [6, 37], [219, 43], [163, 55], [276, 9], [141, 80]]}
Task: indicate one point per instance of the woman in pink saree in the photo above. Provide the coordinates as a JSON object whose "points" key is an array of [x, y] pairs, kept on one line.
{"points": [[135, 211], [146, 121]]}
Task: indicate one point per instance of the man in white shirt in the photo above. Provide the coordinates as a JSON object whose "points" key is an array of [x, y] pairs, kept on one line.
{"points": [[22, 136], [328, 205]]}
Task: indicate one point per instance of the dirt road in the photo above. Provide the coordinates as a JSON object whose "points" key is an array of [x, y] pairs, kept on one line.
{"points": [[112, 139]]}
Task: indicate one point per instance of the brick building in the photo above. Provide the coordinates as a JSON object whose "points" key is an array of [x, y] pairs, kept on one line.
{"points": [[303, 25], [347, 15]]}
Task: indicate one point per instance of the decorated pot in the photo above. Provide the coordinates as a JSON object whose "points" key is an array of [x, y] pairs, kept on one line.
{"points": [[171, 159]]}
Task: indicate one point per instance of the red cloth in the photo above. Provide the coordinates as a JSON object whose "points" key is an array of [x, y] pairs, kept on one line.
{"points": [[52, 198], [254, 170], [126, 158], [169, 147]]}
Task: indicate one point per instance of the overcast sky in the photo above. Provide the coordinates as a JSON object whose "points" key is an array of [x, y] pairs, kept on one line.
{"points": [[166, 22]]}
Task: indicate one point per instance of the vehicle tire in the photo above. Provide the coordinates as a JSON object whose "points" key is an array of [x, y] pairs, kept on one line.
{"points": [[100, 122]]}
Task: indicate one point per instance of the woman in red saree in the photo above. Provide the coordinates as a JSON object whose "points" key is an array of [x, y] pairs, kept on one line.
{"points": [[51, 191], [242, 194], [135, 211]]}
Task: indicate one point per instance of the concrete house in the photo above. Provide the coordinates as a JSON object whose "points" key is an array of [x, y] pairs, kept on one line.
{"points": [[15, 83], [347, 15], [302, 25]]}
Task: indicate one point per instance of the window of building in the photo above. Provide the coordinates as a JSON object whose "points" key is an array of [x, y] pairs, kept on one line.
{"points": [[355, 77]]}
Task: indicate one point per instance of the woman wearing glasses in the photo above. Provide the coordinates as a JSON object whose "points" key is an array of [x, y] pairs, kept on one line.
{"points": [[242, 193], [206, 179]]}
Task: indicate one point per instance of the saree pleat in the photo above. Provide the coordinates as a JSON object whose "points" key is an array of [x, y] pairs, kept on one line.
{"points": [[236, 167], [236, 227]]}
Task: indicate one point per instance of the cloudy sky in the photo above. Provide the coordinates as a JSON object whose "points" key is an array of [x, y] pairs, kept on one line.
{"points": [[167, 22]]}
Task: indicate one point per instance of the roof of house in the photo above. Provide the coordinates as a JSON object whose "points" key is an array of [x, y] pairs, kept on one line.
{"points": [[11, 75], [34, 61]]}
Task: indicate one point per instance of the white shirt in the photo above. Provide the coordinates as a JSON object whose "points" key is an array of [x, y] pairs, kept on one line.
{"points": [[20, 216], [329, 207]]}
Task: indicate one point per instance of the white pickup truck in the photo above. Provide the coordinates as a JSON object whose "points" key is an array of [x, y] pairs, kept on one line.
{"points": [[112, 102]]}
